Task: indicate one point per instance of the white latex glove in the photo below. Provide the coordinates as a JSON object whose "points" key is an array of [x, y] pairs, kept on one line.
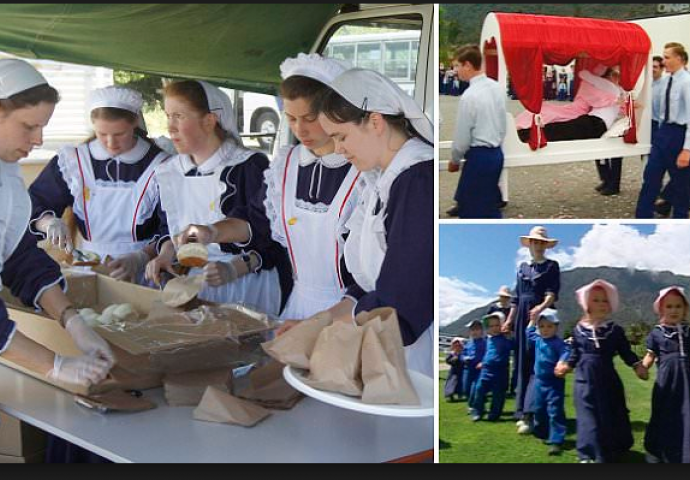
{"points": [[85, 370], [219, 273], [88, 341], [129, 267], [56, 232]]}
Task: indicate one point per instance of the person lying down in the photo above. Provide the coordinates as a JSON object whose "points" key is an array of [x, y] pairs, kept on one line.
{"points": [[596, 107]]}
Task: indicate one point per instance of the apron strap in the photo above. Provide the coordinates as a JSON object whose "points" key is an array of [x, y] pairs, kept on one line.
{"points": [[136, 211], [83, 194], [285, 223], [337, 244]]}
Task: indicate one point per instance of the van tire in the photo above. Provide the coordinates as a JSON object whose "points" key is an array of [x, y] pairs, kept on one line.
{"points": [[266, 122]]}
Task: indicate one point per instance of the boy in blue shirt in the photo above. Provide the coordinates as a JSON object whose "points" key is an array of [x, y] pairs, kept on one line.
{"points": [[549, 421], [472, 357], [494, 369]]}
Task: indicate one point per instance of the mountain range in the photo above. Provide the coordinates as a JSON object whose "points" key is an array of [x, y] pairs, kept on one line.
{"points": [[637, 290]]}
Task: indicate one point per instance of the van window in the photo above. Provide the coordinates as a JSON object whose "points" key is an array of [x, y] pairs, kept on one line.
{"points": [[389, 46]]}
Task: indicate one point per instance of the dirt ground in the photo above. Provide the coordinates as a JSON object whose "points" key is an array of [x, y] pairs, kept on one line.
{"points": [[559, 191]]}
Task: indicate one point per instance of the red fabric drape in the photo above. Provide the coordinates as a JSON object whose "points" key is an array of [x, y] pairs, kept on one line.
{"points": [[491, 59], [531, 41]]}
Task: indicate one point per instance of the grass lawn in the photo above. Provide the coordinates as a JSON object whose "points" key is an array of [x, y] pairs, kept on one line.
{"points": [[461, 441]]}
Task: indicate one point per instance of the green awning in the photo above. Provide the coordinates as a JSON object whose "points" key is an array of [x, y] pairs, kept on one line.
{"points": [[238, 46]]}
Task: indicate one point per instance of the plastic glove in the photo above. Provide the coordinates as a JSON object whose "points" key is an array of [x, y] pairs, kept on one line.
{"points": [[85, 370], [88, 341], [128, 267], [219, 273], [56, 232]]}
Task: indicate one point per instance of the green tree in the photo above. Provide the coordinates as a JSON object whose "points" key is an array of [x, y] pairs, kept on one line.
{"points": [[150, 86]]}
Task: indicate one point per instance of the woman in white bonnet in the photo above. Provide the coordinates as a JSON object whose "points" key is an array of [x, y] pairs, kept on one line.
{"points": [[108, 181], [27, 103], [390, 247], [212, 178], [308, 195]]}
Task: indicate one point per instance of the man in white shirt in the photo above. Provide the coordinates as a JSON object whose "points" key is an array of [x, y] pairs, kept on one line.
{"points": [[479, 134], [671, 144]]}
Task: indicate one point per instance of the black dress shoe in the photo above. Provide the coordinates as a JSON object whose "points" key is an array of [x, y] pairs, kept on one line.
{"points": [[453, 212], [502, 205], [663, 208], [609, 191], [600, 187]]}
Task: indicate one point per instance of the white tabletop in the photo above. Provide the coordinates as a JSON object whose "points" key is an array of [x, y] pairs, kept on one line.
{"points": [[312, 432]]}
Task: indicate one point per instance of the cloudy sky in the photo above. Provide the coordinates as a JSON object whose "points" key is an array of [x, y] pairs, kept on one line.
{"points": [[475, 260]]}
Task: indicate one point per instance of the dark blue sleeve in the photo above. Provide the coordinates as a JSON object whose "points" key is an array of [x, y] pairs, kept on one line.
{"points": [[553, 280], [515, 298], [623, 347], [49, 192], [532, 336], [163, 232], [406, 279], [247, 179], [7, 326], [575, 351], [29, 270], [564, 352], [652, 344], [452, 360]]}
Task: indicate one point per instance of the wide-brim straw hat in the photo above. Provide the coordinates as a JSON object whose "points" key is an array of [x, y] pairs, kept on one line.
{"points": [[538, 233], [504, 291]]}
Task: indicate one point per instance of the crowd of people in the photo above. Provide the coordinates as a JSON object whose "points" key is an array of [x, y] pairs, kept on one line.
{"points": [[541, 360]]}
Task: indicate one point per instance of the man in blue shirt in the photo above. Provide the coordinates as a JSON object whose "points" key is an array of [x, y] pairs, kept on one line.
{"points": [[480, 131], [671, 145]]}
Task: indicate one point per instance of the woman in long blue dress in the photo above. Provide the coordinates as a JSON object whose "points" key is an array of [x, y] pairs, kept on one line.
{"points": [[668, 434], [536, 289], [604, 432]]}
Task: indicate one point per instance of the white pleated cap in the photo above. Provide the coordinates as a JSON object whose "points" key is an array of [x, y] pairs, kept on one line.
{"points": [[314, 66], [220, 105], [17, 76], [116, 97], [371, 91]]}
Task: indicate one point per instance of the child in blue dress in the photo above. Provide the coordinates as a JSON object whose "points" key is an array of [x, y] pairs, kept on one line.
{"points": [[494, 370], [472, 357], [548, 390], [603, 424], [454, 387], [668, 434]]}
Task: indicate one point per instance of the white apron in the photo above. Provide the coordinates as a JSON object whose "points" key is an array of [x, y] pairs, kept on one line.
{"points": [[366, 246], [196, 200], [111, 210], [15, 210], [314, 245]]}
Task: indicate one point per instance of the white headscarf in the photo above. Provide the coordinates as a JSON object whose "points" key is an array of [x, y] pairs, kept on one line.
{"points": [[17, 76], [220, 105], [373, 92], [314, 66], [121, 98]]}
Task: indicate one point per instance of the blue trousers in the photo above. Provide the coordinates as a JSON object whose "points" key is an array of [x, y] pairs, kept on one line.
{"points": [[549, 410], [470, 383], [478, 194], [494, 380], [666, 147]]}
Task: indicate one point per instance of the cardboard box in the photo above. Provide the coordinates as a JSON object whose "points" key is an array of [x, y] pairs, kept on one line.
{"points": [[92, 290], [35, 458], [19, 439]]}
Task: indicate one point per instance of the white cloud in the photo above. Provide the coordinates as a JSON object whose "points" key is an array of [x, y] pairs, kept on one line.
{"points": [[457, 298], [622, 246]]}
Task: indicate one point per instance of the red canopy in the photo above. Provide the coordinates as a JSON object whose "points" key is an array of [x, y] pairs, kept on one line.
{"points": [[531, 41]]}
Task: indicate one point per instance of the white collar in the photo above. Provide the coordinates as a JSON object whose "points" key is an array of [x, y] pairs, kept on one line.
{"points": [[413, 152], [332, 160], [228, 154], [141, 148], [478, 78]]}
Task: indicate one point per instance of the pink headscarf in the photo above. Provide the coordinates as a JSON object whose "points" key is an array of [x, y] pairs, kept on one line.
{"points": [[610, 289], [663, 293]]}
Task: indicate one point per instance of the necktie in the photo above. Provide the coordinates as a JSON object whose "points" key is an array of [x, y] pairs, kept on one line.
{"points": [[667, 112]]}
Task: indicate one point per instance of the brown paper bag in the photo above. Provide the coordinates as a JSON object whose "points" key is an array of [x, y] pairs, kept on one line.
{"points": [[269, 389], [384, 370], [188, 389], [336, 363], [295, 346], [218, 406]]}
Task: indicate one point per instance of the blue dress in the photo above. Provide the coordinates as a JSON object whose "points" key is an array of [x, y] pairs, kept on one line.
{"points": [[668, 432], [603, 422], [472, 356], [454, 384], [534, 282]]}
